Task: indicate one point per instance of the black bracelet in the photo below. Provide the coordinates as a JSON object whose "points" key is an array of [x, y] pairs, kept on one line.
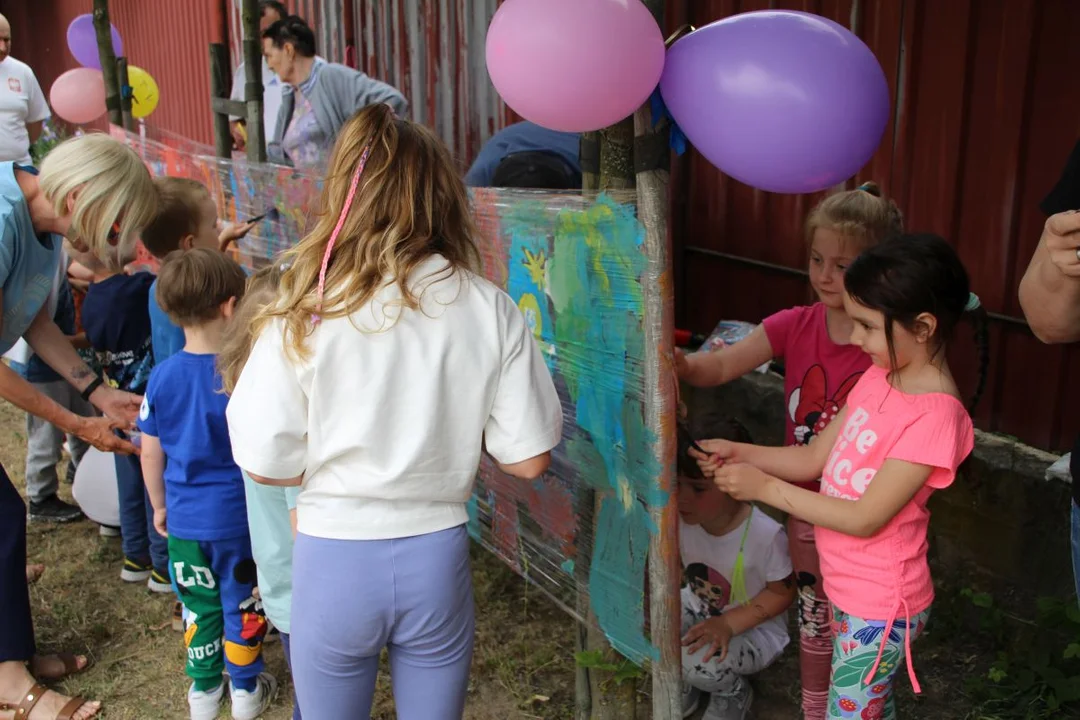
{"points": [[89, 389]]}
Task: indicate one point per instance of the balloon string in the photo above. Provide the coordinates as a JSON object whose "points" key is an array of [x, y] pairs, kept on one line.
{"points": [[684, 30]]}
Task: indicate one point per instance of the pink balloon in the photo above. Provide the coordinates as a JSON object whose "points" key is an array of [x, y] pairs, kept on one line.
{"points": [[78, 95], [574, 65]]}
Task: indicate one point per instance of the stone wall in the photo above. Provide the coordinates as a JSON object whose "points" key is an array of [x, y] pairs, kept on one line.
{"points": [[1002, 527]]}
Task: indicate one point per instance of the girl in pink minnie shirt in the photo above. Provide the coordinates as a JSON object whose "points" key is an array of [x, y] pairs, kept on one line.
{"points": [[902, 436]]}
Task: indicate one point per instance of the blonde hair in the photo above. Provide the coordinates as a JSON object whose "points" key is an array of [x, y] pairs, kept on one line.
{"points": [[410, 204], [262, 289], [192, 286], [861, 214], [109, 183], [177, 214]]}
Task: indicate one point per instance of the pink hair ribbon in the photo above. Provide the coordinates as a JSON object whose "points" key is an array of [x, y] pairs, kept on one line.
{"points": [[337, 229]]}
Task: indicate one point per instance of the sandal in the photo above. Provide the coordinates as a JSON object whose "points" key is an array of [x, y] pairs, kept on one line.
{"points": [[69, 661], [33, 696]]}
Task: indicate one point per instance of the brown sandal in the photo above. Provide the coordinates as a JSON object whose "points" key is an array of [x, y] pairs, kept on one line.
{"points": [[33, 696], [71, 667]]}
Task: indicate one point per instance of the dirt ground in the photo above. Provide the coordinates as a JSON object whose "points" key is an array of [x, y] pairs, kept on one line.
{"points": [[523, 665]]}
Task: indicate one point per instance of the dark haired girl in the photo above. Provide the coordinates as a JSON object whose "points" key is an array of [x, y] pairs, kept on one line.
{"points": [[902, 435]]}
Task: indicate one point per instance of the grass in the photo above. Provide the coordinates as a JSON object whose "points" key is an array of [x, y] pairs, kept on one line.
{"points": [[523, 662]]}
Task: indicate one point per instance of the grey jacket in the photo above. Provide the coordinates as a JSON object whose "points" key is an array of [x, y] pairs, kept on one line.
{"points": [[338, 93]]}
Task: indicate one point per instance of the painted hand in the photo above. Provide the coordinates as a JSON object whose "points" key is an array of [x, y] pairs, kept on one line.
{"points": [[159, 522], [1062, 237], [742, 482], [713, 634]]}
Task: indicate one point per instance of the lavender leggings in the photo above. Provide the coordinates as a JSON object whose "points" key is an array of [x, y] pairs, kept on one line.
{"points": [[352, 598]]}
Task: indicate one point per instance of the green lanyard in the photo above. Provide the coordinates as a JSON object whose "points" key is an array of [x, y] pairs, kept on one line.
{"points": [[738, 573]]}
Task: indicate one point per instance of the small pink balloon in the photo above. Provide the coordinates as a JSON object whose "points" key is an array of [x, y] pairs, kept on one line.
{"points": [[78, 95], [574, 65]]}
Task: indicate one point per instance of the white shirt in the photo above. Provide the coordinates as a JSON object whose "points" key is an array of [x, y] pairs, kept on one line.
{"points": [[386, 425], [271, 95], [708, 562], [21, 102]]}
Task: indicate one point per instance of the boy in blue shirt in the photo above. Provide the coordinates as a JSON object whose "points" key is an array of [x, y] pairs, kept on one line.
{"points": [[198, 494], [186, 219]]}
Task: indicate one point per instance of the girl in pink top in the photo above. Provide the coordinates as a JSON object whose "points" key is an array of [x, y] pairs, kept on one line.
{"points": [[902, 435], [821, 368]]}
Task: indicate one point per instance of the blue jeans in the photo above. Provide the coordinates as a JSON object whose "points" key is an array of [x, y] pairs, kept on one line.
{"points": [[1076, 546], [352, 598], [140, 541]]}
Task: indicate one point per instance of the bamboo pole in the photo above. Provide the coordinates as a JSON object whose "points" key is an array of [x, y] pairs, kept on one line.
{"points": [[103, 33], [253, 89], [219, 88], [652, 159]]}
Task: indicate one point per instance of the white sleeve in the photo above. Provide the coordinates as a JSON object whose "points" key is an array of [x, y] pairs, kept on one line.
{"points": [[37, 109], [268, 412], [526, 416], [778, 560], [239, 79]]}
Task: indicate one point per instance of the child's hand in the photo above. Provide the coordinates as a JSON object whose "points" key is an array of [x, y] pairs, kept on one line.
{"points": [[231, 232], [742, 482], [159, 522], [1062, 237], [714, 634], [682, 365], [719, 453]]}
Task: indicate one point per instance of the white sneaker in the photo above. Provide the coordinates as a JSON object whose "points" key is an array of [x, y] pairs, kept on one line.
{"points": [[205, 705], [730, 707], [691, 697], [250, 705], [108, 531]]}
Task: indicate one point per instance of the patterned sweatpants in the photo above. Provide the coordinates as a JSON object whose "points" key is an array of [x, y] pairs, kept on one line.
{"points": [[720, 676], [855, 650]]}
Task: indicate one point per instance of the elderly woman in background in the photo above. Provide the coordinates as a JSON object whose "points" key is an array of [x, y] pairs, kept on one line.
{"points": [[318, 97], [97, 193]]}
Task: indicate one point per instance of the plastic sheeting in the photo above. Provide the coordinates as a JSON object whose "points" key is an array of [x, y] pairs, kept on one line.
{"points": [[581, 272]]}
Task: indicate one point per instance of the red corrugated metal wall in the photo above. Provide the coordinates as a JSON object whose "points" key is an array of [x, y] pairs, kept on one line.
{"points": [[986, 111]]}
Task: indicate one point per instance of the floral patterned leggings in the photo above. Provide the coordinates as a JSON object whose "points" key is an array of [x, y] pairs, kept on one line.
{"points": [[855, 650]]}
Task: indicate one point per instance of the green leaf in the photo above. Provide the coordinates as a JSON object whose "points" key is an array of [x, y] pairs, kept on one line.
{"points": [[982, 600], [997, 674], [627, 671], [1072, 650], [852, 671]]}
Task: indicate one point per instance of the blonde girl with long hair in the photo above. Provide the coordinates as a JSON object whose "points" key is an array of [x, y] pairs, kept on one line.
{"points": [[384, 368], [97, 194]]}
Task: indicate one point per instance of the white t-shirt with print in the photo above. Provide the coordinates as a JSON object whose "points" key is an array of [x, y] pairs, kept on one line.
{"points": [[708, 562], [21, 102], [386, 424]]}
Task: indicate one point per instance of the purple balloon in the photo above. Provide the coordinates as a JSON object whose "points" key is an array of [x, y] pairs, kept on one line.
{"points": [[784, 101], [82, 41]]}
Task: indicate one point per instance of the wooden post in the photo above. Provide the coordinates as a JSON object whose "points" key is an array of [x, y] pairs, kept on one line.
{"points": [[652, 158], [103, 32], [219, 88], [253, 89], [125, 93]]}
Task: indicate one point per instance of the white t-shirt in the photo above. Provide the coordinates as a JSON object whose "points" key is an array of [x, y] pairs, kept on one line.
{"points": [[271, 95], [708, 561], [386, 426], [21, 102]]}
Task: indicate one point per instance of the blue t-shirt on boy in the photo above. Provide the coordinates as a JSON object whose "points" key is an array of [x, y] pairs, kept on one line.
{"points": [[27, 260], [166, 336], [185, 410]]}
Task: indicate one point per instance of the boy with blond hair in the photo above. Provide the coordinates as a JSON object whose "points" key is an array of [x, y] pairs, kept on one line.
{"points": [[197, 490]]}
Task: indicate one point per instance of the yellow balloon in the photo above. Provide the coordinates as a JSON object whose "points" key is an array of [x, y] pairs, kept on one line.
{"points": [[144, 92]]}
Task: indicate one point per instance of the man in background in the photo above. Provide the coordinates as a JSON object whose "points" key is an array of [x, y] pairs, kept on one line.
{"points": [[23, 109], [270, 11]]}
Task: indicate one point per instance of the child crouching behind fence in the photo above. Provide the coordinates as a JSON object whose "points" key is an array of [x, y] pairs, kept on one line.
{"points": [[737, 587], [198, 494], [271, 509]]}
